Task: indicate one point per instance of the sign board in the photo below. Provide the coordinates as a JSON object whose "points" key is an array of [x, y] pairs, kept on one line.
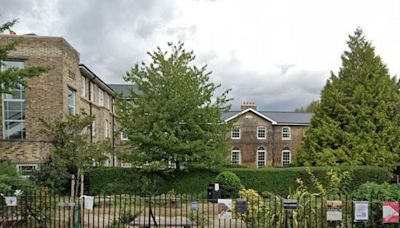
{"points": [[360, 211], [195, 206], [68, 204], [11, 201], [241, 206], [224, 209], [89, 200], [334, 210], [390, 212], [290, 204]]}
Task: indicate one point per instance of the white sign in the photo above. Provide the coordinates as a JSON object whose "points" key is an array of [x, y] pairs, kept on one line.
{"points": [[360, 211], [224, 209], [89, 202], [334, 210], [216, 187], [11, 201]]}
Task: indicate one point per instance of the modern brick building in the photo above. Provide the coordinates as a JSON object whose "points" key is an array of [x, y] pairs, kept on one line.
{"points": [[262, 139], [67, 88]]}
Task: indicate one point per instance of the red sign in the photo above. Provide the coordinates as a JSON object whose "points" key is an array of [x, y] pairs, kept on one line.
{"points": [[390, 212]]}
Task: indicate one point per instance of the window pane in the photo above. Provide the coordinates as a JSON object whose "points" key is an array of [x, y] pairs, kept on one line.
{"points": [[14, 130]]}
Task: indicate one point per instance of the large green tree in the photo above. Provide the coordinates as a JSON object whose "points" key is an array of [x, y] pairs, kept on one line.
{"points": [[11, 77], [175, 116], [72, 153], [357, 121]]}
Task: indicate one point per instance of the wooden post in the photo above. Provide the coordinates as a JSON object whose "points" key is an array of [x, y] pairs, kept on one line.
{"points": [[72, 200]]}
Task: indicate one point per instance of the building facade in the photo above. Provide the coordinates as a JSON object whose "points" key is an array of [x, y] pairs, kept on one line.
{"points": [[67, 88], [265, 139]]}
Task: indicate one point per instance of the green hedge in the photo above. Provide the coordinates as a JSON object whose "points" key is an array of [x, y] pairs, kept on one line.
{"points": [[280, 180], [275, 180]]}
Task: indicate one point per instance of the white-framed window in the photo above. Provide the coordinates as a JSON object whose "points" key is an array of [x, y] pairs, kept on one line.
{"points": [[83, 86], [94, 128], [261, 157], [101, 97], [91, 91], [286, 133], [26, 170], [106, 100], [123, 136], [110, 100], [286, 157], [235, 134], [235, 156], [71, 101], [14, 107], [106, 130], [261, 133]]}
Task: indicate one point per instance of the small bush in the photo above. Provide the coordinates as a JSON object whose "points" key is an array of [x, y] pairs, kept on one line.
{"points": [[10, 180], [230, 184]]}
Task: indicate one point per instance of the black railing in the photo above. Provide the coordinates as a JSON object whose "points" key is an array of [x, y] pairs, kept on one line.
{"points": [[41, 209]]}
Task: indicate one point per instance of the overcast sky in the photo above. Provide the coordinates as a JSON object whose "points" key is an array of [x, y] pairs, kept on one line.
{"points": [[278, 54]]}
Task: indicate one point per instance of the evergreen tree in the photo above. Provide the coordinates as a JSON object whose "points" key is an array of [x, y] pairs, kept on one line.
{"points": [[11, 77], [357, 121], [310, 107], [174, 118]]}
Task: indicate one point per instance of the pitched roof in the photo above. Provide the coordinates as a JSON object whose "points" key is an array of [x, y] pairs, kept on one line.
{"points": [[124, 89], [279, 117]]}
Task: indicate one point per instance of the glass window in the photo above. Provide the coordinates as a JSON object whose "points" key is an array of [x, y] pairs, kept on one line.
{"points": [[286, 157], [235, 134], [91, 92], [261, 133], [261, 157], [94, 128], [71, 101], [106, 133], [101, 97], [83, 86], [14, 108], [26, 170], [235, 156], [286, 134], [123, 136]]}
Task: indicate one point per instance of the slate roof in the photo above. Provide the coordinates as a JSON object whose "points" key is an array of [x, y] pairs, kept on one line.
{"points": [[124, 89], [279, 117]]}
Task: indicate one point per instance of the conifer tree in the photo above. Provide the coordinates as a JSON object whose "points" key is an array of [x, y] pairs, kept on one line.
{"points": [[174, 118], [357, 121]]}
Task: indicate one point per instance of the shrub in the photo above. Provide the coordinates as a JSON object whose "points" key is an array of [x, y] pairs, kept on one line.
{"points": [[10, 180], [230, 184]]}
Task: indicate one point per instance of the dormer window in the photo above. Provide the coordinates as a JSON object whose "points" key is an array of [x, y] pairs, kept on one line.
{"points": [[235, 134]]}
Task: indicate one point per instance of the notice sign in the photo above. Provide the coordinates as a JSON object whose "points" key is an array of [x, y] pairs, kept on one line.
{"points": [[224, 208], [89, 200], [390, 212], [334, 210], [360, 211], [11, 201]]}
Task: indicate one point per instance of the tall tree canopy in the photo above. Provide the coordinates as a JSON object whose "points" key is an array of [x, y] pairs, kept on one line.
{"points": [[309, 108], [11, 77], [357, 121], [174, 117]]}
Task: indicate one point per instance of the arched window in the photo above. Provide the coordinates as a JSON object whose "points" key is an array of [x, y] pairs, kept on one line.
{"points": [[286, 157], [235, 157], [261, 157]]}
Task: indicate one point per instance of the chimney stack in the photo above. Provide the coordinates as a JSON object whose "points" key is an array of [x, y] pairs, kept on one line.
{"points": [[245, 105]]}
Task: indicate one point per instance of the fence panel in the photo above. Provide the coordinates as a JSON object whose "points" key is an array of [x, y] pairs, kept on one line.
{"points": [[42, 209]]}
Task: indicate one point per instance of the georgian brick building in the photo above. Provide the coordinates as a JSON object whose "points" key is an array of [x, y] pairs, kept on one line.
{"points": [[263, 139], [67, 88]]}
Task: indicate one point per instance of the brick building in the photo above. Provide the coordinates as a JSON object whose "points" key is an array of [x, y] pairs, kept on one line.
{"points": [[262, 139], [67, 88]]}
